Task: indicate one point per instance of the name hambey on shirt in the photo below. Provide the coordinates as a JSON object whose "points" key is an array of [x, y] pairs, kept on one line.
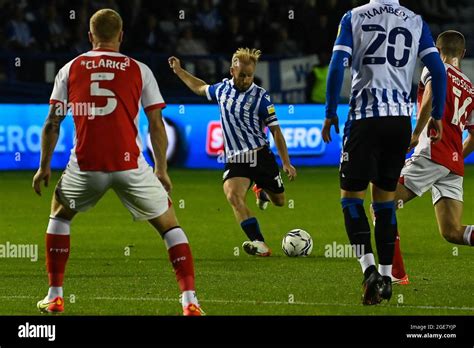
{"points": [[385, 9]]}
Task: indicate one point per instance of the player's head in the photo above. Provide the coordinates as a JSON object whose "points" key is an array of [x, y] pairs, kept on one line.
{"points": [[105, 28], [244, 62], [451, 44]]}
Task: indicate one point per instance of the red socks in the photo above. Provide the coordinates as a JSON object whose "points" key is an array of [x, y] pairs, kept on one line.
{"points": [[180, 257], [57, 254], [58, 246], [183, 265], [398, 268]]}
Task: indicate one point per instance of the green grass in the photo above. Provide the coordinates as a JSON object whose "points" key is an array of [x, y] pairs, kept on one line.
{"points": [[104, 281]]}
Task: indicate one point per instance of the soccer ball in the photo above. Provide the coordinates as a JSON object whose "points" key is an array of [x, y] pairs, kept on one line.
{"points": [[297, 242]]}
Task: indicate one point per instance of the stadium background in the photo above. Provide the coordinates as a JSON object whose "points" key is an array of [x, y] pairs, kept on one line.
{"points": [[38, 37]]}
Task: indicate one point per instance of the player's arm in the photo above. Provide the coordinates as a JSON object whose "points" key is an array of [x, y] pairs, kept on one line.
{"points": [[432, 60], [280, 144], [468, 145], [423, 115], [268, 117], [49, 139], [340, 59], [196, 85], [159, 143]]}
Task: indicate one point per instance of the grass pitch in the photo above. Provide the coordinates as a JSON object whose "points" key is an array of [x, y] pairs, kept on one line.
{"points": [[118, 267]]}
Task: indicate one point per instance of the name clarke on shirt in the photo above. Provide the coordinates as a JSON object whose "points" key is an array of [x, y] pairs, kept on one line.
{"points": [[106, 63]]}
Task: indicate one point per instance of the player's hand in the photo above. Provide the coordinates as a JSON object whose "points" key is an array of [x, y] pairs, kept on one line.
{"points": [[41, 175], [290, 171], [174, 63], [415, 139], [435, 130], [165, 181], [328, 122]]}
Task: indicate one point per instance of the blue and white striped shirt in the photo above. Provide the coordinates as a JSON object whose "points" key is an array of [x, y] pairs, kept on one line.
{"points": [[384, 40], [244, 116]]}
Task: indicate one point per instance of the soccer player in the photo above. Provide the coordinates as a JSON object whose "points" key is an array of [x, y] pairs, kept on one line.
{"points": [[440, 166], [383, 40], [104, 89], [246, 110]]}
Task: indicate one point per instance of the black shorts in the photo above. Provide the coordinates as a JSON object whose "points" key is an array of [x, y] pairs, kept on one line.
{"points": [[261, 168], [374, 150]]}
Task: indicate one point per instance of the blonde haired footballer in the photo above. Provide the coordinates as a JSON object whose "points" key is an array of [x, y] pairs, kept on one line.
{"points": [[245, 111]]}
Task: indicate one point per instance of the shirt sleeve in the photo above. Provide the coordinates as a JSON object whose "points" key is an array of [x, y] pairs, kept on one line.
{"points": [[438, 73], [211, 91], [426, 44], [60, 92], [266, 111], [151, 96], [344, 40]]}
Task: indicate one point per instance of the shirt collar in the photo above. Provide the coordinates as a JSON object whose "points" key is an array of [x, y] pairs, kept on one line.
{"points": [[231, 81], [385, 2], [103, 50]]}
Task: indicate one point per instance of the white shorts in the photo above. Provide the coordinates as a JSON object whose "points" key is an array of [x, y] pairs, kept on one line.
{"points": [[139, 189], [421, 174]]}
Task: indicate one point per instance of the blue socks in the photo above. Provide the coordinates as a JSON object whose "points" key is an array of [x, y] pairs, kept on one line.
{"points": [[252, 229], [385, 231], [357, 225]]}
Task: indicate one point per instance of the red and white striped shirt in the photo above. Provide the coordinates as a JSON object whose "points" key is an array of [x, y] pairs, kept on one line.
{"points": [[458, 115], [104, 90]]}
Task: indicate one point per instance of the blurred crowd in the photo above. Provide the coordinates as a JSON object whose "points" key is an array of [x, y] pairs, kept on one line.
{"points": [[201, 27], [48, 33]]}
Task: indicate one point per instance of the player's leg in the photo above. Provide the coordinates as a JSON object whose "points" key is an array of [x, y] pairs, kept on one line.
{"points": [[265, 196], [385, 231], [399, 275], [358, 231], [393, 139], [145, 197], [402, 195], [268, 178], [76, 191], [261, 196], [278, 199], [181, 259], [356, 170], [357, 225], [418, 175], [448, 202], [235, 190], [449, 214], [57, 254]]}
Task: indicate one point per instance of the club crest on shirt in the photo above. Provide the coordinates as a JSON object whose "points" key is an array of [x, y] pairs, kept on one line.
{"points": [[250, 100]]}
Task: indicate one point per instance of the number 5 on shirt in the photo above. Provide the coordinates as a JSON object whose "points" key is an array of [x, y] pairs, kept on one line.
{"points": [[97, 91]]}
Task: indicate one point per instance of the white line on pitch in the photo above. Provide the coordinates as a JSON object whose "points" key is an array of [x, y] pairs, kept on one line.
{"points": [[162, 299]]}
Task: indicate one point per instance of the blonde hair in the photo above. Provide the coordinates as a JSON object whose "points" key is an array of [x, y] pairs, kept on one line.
{"points": [[246, 56], [105, 25]]}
